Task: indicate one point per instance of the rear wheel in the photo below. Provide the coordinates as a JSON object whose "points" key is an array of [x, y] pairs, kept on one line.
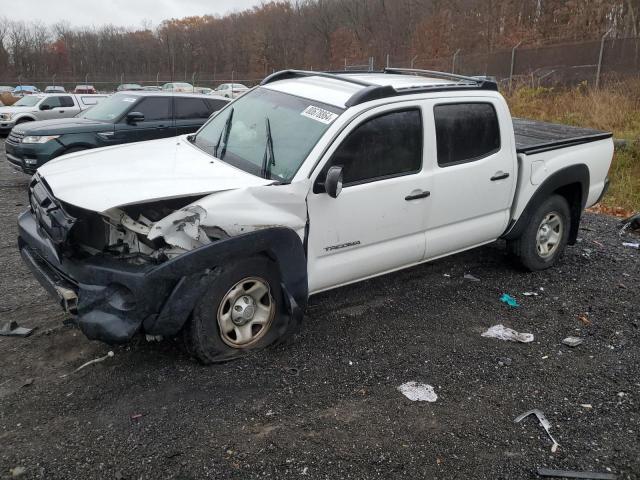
{"points": [[243, 310], [544, 239]]}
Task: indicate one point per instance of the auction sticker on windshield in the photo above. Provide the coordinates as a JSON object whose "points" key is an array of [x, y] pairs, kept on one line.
{"points": [[319, 114]]}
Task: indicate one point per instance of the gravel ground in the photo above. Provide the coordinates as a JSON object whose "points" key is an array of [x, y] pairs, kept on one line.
{"points": [[327, 405]]}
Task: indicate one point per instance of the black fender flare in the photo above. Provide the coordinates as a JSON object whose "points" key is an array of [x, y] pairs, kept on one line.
{"points": [[562, 178], [194, 271]]}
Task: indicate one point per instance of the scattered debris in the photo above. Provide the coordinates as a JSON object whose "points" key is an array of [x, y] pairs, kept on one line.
{"points": [[503, 333], [293, 371], [504, 361], [27, 382], [635, 245], [418, 392], [584, 318], [17, 471], [136, 416], [547, 472], [509, 300], [530, 294], [12, 329], [91, 362], [601, 245], [588, 406], [572, 341], [468, 276], [543, 421], [446, 275], [631, 223]]}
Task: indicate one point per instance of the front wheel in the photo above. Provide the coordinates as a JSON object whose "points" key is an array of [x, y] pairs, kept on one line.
{"points": [[243, 310], [544, 239]]}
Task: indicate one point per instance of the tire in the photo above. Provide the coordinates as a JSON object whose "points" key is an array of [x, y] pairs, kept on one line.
{"points": [[223, 326], [543, 241]]}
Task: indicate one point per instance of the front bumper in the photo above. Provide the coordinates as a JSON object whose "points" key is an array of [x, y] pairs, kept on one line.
{"points": [[111, 298], [6, 126], [29, 157]]}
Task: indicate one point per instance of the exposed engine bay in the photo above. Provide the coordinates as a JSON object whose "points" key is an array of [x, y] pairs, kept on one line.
{"points": [[160, 230]]}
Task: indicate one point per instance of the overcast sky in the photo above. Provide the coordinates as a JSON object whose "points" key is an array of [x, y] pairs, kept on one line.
{"points": [[127, 13]]}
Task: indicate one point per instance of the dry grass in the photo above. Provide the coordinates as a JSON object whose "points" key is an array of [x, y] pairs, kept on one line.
{"points": [[615, 108]]}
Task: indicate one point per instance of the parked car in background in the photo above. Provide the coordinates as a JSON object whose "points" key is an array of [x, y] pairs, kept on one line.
{"points": [[203, 90], [231, 90], [46, 106], [152, 88], [122, 118], [84, 89], [310, 182], [22, 90], [6, 88], [54, 89], [178, 87], [129, 87]]}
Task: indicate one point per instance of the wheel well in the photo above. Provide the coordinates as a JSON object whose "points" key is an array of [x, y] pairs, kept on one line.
{"points": [[24, 119], [573, 194]]}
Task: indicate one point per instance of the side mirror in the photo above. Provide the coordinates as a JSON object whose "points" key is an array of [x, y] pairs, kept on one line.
{"points": [[333, 182], [45, 106], [135, 117]]}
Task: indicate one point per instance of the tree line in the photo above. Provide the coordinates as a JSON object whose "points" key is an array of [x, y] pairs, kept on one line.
{"points": [[312, 34]]}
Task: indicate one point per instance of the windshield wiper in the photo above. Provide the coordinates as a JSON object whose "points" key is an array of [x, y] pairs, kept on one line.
{"points": [[269, 158], [224, 137]]}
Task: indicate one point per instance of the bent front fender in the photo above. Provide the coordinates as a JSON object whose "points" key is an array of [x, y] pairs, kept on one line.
{"points": [[196, 270]]}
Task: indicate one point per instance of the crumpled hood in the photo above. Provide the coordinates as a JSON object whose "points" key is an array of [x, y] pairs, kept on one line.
{"points": [[141, 172]]}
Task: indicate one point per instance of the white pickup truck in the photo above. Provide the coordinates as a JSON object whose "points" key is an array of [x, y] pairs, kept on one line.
{"points": [[306, 183], [45, 107]]}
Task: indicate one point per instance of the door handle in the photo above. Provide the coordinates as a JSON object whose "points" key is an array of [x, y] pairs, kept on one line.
{"points": [[499, 176], [417, 196]]}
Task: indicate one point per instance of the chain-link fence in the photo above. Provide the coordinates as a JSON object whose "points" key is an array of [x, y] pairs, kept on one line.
{"points": [[567, 64], [564, 64]]}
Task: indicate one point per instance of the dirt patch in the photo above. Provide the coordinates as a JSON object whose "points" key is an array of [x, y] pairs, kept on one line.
{"points": [[327, 406]]}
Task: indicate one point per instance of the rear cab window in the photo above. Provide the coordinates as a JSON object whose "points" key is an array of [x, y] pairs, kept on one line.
{"points": [[465, 132], [191, 108]]}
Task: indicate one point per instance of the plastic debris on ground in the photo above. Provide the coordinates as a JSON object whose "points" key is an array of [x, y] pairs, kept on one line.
{"points": [[418, 392], [548, 472], [468, 276], [12, 329], [530, 294], [584, 318], [543, 422], [631, 223], [509, 300], [503, 333], [91, 362], [572, 341], [631, 245]]}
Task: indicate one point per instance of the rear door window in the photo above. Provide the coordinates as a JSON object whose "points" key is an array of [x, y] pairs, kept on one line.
{"points": [[66, 101], [465, 132], [216, 105], [154, 109], [191, 108]]}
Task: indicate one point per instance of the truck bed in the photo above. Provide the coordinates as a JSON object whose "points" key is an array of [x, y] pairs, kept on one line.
{"points": [[533, 136]]}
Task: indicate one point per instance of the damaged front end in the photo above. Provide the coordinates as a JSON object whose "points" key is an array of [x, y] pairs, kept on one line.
{"points": [[145, 266]]}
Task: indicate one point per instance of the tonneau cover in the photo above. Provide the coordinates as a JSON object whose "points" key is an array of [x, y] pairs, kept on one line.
{"points": [[533, 136]]}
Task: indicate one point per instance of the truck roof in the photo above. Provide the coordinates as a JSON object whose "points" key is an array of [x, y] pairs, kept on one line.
{"points": [[346, 89]]}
